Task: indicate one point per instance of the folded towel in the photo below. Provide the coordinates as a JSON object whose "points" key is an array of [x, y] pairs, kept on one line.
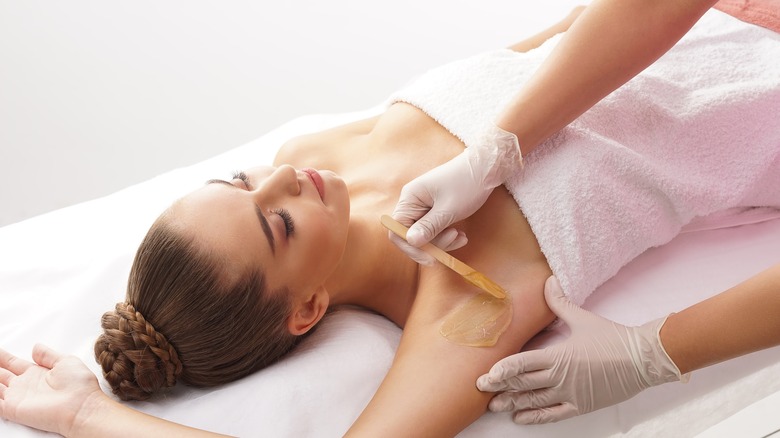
{"points": [[694, 134]]}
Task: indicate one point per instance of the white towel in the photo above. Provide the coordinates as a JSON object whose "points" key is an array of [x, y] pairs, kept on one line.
{"points": [[696, 133]]}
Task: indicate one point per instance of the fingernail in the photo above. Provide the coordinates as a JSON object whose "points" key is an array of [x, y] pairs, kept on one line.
{"points": [[496, 372], [520, 418], [496, 405], [426, 261], [482, 382], [414, 237]]}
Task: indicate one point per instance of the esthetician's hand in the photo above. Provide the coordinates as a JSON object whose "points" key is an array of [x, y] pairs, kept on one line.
{"points": [[454, 191], [600, 364], [49, 394]]}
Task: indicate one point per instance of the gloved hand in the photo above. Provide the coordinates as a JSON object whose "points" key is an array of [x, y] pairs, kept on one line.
{"points": [[455, 190], [600, 364]]}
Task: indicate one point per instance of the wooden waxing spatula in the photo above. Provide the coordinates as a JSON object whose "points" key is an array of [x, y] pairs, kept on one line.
{"points": [[468, 273]]}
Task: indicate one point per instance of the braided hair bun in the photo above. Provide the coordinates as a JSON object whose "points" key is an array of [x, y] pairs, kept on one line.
{"points": [[137, 360]]}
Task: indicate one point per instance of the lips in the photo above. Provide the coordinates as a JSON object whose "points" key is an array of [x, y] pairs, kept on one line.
{"points": [[316, 179]]}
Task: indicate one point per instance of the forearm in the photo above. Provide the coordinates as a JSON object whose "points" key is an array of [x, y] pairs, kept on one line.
{"points": [[102, 416], [741, 320], [608, 44]]}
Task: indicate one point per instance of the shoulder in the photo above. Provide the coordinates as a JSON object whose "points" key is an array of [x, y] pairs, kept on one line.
{"points": [[318, 147]]}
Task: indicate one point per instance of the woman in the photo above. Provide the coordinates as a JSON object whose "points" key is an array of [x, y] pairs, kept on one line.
{"points": [[250, 239]]}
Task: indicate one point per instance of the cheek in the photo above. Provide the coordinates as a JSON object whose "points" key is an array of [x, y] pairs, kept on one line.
{"points": [[326, 242], [325, 239]]}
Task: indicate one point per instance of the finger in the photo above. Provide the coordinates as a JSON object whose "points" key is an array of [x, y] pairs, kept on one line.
{"points": [[573, 315], [13, 363], [429, 226], [411, 207], [420, 233], [527, 381], [3, 389], [415, 254], [513, 401], [546, 415], [45, 356], [558, 302], [450, 239], [504, 372], [5, 377]]}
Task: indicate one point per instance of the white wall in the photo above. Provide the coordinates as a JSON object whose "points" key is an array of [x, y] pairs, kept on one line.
{"points": [[99, 95]]}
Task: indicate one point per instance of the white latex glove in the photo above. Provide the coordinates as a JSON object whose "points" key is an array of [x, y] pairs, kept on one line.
{"points": [[602, 363], [455, 190]]}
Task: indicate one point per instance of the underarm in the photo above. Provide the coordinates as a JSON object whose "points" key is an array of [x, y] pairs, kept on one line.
{"points": [[430, 389]]}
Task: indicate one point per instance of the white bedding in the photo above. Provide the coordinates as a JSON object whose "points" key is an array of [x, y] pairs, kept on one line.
{"points": [[59, 272]]}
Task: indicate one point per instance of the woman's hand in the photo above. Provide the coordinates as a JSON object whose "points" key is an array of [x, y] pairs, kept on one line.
{"points": [[48, 396]]}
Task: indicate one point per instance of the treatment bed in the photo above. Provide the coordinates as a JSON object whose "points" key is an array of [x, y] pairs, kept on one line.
{"points": [[60, 271]]}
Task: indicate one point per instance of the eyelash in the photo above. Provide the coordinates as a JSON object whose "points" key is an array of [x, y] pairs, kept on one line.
{"points": [[242, 176], [289, 225]]}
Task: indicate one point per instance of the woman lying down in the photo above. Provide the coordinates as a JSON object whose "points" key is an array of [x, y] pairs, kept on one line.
{"points": [[232, 276]]}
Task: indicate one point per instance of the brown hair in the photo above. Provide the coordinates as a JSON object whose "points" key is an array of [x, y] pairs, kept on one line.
{"points": [[215, 331]]}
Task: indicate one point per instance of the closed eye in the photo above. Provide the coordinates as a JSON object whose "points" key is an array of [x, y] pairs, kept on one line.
{"points": [[263, 221], [241, 175], [289, 224]]}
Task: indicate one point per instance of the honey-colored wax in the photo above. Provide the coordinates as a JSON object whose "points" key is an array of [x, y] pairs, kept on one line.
{"points": [[479, 280], [479, 322]]}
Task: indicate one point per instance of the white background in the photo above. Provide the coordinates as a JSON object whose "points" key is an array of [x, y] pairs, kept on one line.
{"points": [[98, 95]]}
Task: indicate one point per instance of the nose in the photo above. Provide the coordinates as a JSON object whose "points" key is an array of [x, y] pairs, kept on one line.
{"points": [[282, 182]]}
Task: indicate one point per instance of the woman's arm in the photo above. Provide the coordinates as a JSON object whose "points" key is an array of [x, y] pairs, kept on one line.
{"points": [[430, 389], [743, 319], [610, 42], [454, 190], [60, 394], [603, 362], [102, 417]]}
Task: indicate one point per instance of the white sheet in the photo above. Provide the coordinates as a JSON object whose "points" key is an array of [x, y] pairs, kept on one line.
{"points": [[59, 272]]}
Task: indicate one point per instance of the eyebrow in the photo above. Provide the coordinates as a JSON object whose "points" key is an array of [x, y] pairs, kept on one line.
{"points": [[263, 221]]}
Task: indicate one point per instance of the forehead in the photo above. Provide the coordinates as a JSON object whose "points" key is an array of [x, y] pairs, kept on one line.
{"points": [[222, 224]]}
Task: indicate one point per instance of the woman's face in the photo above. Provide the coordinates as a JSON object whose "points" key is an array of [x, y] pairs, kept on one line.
{"points": [[292, 223]]}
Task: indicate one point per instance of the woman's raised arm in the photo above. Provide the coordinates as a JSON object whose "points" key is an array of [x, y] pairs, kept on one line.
{"points": [[430, 389]]}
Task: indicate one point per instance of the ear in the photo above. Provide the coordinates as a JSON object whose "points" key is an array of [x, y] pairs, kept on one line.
{"points": [[306, 314]]}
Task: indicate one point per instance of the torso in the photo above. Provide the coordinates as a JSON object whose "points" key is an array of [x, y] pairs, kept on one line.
{"points": [[376, 157]]}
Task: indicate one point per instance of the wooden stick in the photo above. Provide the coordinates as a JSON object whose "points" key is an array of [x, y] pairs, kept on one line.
{"points": [[468, 273]]}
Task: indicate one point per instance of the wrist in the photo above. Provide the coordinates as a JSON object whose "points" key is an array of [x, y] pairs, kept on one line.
{"points": [[94, 407], [654, 363], [509, 147], [498, 154]]}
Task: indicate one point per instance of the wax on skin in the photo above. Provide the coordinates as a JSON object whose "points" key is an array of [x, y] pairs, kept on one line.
{"points": [[479, 322]]}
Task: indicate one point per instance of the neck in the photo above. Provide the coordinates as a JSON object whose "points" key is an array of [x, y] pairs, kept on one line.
{"points": [[373, 273]]}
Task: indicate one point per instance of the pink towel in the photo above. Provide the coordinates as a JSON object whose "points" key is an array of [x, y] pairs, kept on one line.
{"points": [[693, 135], [764, 13]]}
